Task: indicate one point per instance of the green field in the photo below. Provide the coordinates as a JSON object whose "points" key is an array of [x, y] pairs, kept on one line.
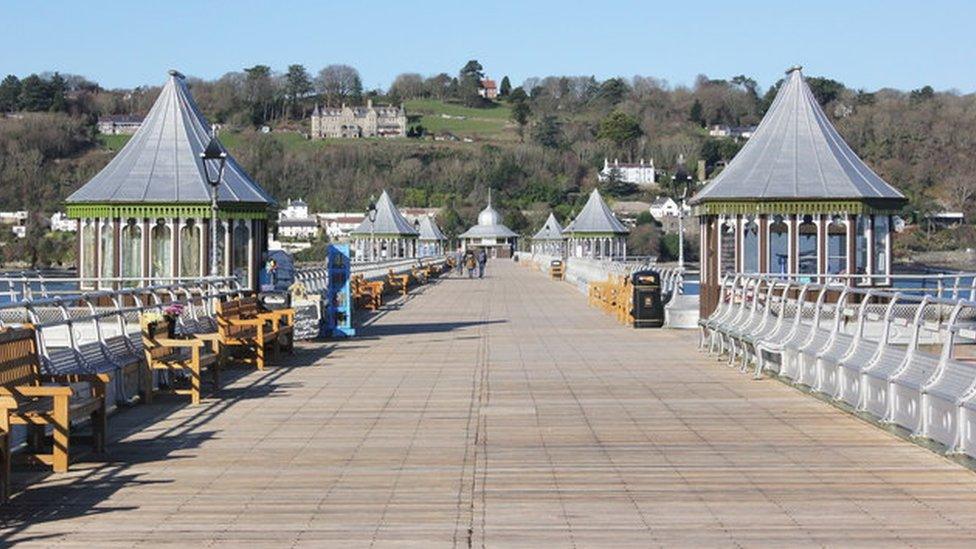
{"points": [[440, 117], [113, 142]]}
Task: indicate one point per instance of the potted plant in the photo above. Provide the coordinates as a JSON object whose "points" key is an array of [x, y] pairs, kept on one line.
{"points": [[171, 313]]}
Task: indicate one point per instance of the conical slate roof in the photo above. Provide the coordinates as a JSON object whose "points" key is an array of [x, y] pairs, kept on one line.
{"points": [[389, 220], [551, 230], [796, 154], [429, 229], [596, 217], [161, 162]]}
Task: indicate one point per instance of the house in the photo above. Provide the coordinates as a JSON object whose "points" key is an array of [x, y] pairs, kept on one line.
{"points": [[943, 220], [489, 90], [640, 173], [734, 132], [60, 222], [354, 122], [338, 225], [666, 211], [17, 221], [294, 221], [119, 124]]}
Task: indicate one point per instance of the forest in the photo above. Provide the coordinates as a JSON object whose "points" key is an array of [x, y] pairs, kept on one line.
{"points": [[559, 130]]}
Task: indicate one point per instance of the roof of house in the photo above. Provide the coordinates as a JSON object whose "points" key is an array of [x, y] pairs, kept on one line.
{"points": [[550, 230], [389, 221], [429, 229], [161, 162], [489, 224], [120, 119], [797, 154], [596, 217], [488, 83]]}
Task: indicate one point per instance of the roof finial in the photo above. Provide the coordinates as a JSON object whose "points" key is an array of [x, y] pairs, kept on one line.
{"points": [[489, 197], [176, 73], [794, 68]]}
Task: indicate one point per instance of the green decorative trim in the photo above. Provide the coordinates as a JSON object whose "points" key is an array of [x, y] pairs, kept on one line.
{"points": [[582, 234], [797, 207], [166, 211]]}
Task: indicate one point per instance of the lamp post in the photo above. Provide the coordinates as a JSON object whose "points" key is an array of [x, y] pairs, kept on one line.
{"points": [[686, 180], [416, 227], [213, 157], [371, 215]]}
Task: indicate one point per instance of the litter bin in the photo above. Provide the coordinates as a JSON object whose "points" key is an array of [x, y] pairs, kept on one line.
{"points": [[556, 269], [648, 311]]}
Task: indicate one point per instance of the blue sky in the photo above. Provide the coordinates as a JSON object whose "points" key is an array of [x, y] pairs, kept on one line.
{"points": [[865, 44]]}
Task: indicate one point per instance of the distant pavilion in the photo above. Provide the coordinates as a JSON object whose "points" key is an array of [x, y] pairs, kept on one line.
{"points": [[549, 240], [390, 236], [596, 233], [433, 241], [146, 215], [795, 200], [490, 234]]}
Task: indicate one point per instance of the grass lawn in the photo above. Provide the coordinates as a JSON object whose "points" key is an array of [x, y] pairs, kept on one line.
{"points": [[440, 117], [113, 142]]}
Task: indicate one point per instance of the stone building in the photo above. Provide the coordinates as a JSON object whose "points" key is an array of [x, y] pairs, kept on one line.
{"points": [[119, 124], [352, 122]]}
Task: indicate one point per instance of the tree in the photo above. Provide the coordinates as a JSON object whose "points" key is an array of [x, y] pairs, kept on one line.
{"points": [[825, 89], [35, 94], [408, 85], [520, 112], [449, 220], [339, 83], [259, 92], [298, 84], [548, 132], [695, 114], [506, 87], [620, 128], [469, 84], [616, 186], [9, 93], [514, 219], [613, 90], [57, 87], [438, 86]]}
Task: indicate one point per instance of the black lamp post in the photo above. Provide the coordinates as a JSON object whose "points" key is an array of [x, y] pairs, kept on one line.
{"points": [[371, 215], [214, 158], [416, 227]]}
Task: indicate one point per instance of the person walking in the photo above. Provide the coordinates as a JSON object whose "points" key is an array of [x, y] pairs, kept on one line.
{"points": [[482, 260], [470, 262], [460, 262]]}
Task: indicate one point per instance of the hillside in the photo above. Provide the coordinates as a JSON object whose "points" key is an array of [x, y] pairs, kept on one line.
{"points": [[440, 117]]}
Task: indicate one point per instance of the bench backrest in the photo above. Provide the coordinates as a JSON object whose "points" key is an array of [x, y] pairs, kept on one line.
{"points": [[150, 332], [19, 360]]}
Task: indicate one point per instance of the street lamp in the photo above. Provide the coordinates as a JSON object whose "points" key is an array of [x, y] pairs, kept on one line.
{"points": [[416, 227], [371, 215], [681, 217], [214, 158]]}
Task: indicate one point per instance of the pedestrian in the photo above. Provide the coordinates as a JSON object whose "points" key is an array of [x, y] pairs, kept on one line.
{"points": [[460, 262], [482, 260], [470, 262]]}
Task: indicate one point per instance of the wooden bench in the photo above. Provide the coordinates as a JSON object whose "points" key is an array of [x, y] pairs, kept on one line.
{"points": [[42, 399], [399, 282], [240, 332], [282, 320], [168, 354], [367, 294]]}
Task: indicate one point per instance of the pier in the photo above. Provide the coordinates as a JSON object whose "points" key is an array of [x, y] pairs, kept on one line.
{"points": [[497, 412]]}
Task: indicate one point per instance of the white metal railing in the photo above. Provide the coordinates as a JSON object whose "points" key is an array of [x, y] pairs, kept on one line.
{"points": [[25, 286], [904, 356], [315, 276], [98, 331]]}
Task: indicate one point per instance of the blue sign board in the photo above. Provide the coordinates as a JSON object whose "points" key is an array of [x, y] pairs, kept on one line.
{"points": [[338, 310]]}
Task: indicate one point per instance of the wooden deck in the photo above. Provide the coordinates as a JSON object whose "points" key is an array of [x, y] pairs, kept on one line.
{"points": [[500, 412]]}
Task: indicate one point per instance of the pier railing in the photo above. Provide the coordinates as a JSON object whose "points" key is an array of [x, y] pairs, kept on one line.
{"points": [[904, 355]]}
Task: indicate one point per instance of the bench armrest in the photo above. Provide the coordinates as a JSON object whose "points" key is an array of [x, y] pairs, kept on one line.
{"points": [[36, 391], [97, 379], [257, 322]]}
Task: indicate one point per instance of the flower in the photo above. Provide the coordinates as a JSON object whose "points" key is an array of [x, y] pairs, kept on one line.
{"points": [[173, 309]]}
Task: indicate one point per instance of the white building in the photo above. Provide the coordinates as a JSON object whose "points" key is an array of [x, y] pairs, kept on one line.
{"points": [[637, 173], [119, 124], [735, 132], [294, 221], [17, 221], [61, 222], [338, 225], [664, 206]]}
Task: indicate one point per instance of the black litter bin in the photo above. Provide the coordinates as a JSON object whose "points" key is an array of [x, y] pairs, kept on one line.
{"points": [[648, 309]]}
